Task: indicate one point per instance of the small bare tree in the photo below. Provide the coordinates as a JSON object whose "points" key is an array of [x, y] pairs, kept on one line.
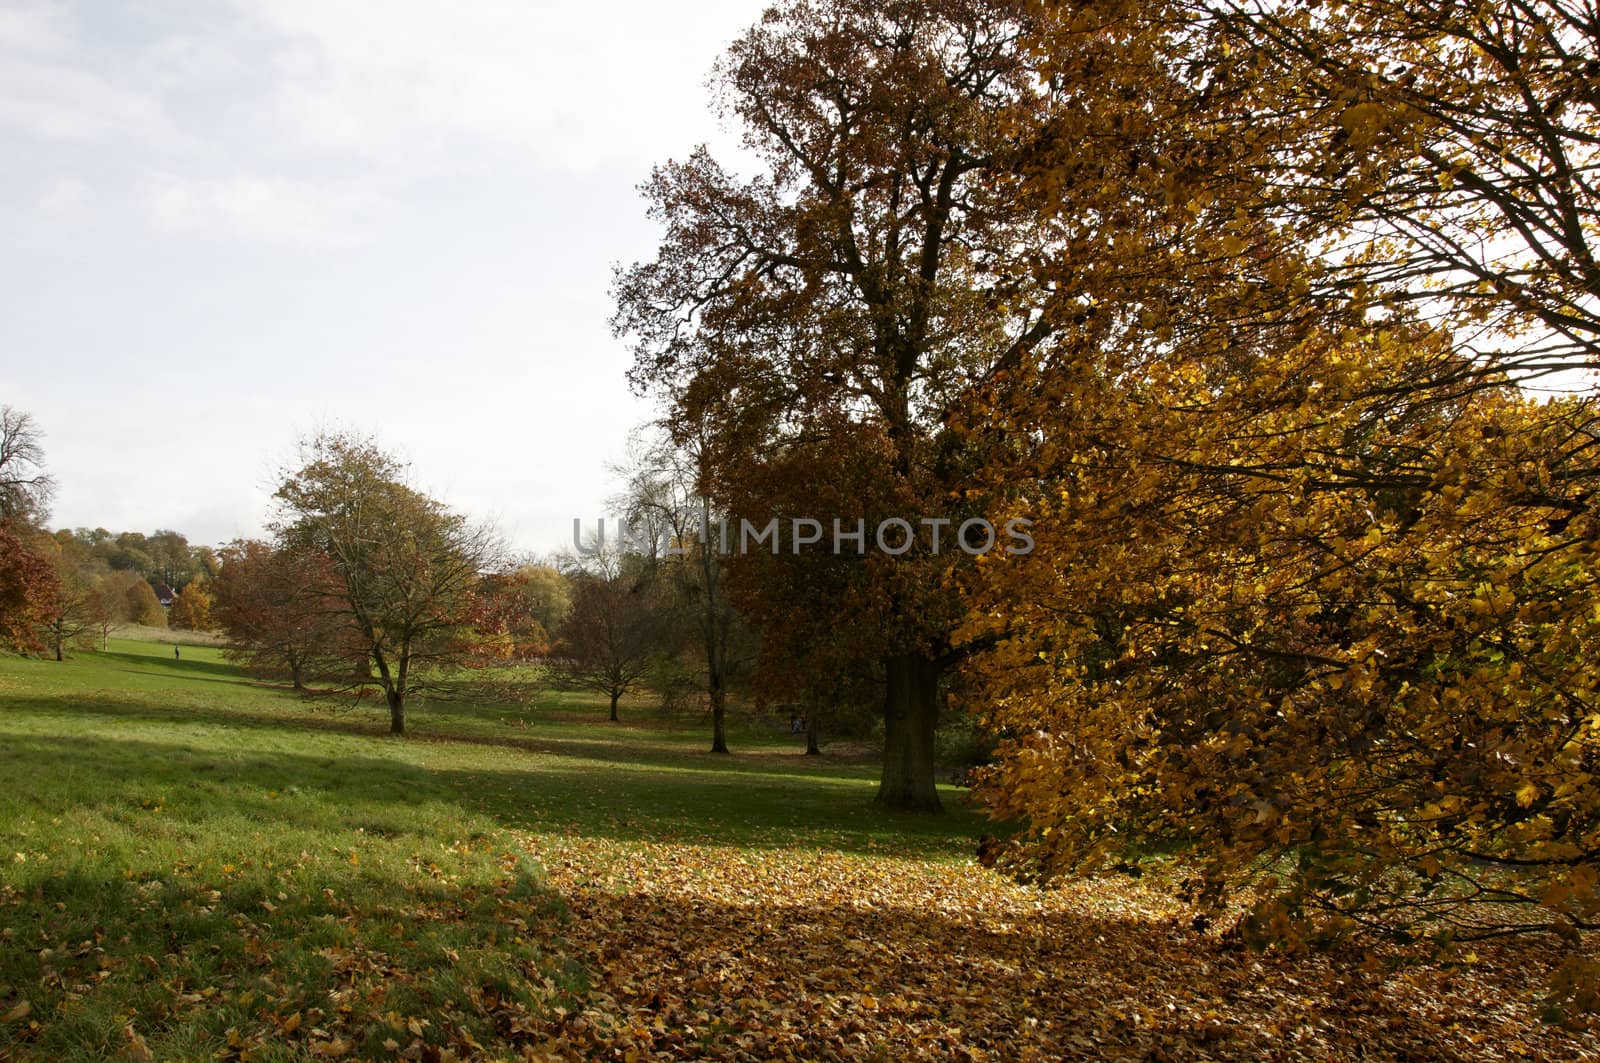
{"points": [[25, 487], [664, 494], [615, 626]]}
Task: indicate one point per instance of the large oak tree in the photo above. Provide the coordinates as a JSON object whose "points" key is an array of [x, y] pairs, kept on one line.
{"points": [[854, 289]]}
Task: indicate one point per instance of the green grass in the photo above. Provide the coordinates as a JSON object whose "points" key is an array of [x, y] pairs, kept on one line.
{"points": [[189, 859]]}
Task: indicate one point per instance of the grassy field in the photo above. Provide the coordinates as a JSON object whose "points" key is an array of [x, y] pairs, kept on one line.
{"points": [[189, 859], [195, 866]]}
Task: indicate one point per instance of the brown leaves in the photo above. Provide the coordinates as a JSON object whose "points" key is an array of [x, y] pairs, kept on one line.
{"points": [[135, 1047], [709, 952]]}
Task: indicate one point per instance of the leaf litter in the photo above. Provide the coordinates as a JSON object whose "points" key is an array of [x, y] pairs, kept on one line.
{"points": [[711, 952]]}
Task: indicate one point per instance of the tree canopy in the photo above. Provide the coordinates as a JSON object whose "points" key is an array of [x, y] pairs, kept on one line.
{"points": [[404, 564], [849, 296]]}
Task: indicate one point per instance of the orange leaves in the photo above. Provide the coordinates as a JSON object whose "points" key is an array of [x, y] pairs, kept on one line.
{"points": [[1307, 629], [332, 1048]]}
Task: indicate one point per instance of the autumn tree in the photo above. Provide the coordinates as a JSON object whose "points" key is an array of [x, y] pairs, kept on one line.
{"points": [[1447, 155], [111, 602], [205, 561], [28, 581], [27, 585], [129, 551], [76, 609], [615, 625], [508, 610], [811, 664], [143, 607], [1311, 598], [404, 563], [191, 609], [281, 610], [545, 593], [854, 287], [172, 560]]}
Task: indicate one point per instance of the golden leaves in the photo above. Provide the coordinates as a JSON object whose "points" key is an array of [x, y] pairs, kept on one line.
{"points": [[1363, 123], [1276, 609]]}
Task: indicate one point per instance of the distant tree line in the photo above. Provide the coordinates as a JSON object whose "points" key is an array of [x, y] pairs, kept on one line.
{"points": [[164, 559], [369, 582], [70, 587]]}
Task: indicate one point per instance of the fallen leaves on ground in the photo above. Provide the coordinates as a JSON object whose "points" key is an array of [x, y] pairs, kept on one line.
{"points": [[699, 951], [670, 951]]}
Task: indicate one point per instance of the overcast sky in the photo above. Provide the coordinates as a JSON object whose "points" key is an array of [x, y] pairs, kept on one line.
{"points": [[228, 223]]}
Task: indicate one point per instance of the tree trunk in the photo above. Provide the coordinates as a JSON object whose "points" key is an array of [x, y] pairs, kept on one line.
{"points": [[397, 700], [719, 717], [715, 638], [813, 746], [58, 645], [397, 710], [393, 692], [615, 694], [911, 711]]}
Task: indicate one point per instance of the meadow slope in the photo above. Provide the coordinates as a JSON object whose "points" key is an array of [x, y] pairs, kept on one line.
{"points": [[197, 866]]}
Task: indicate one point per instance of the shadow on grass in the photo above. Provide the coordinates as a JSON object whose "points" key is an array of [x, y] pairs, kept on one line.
{"points": [[170, 668], [180, 961], [623, 747], [717, 804]]}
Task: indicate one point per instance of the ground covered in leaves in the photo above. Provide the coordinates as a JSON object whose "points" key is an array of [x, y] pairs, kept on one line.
{"points": [[700, 951]]}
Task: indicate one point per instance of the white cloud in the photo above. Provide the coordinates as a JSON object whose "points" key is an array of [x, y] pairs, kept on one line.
{"points": [[65, 197], [203, 59], [572, 85], [55, 101], [34, 28], [300, 214], [52, 87]]}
